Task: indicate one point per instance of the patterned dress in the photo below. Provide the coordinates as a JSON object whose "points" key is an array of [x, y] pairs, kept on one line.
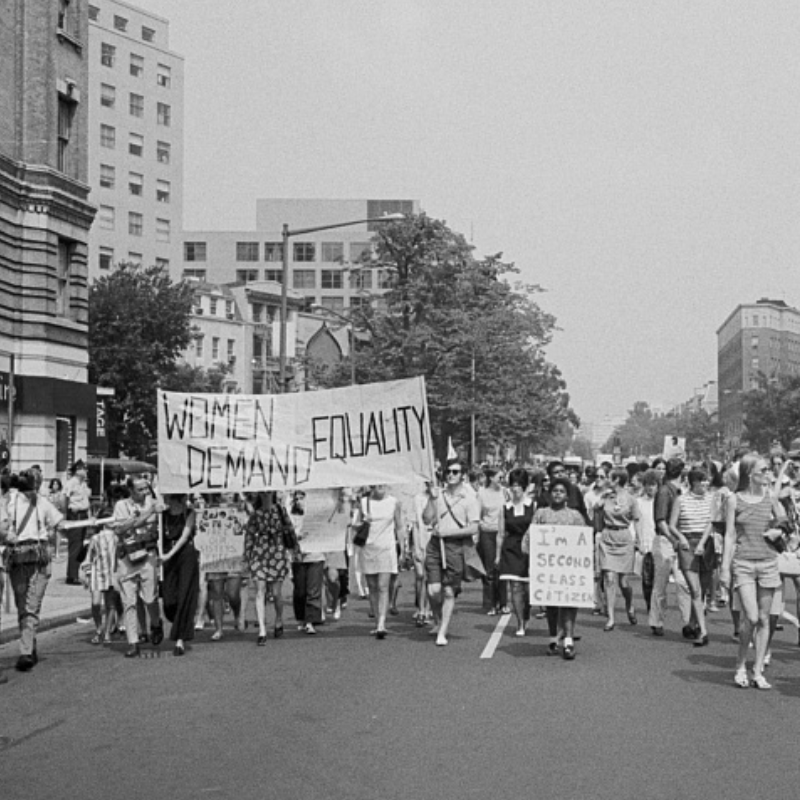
{"points": [[264, 552]]}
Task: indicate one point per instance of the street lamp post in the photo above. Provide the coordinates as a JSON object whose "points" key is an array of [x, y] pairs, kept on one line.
{"points": [[287, 233]]}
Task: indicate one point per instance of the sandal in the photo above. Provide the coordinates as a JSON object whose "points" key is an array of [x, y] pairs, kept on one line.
{"points": [[492, 612], [505, 610], [95, 639], [741, 679], [632, 617], [760, 682]]}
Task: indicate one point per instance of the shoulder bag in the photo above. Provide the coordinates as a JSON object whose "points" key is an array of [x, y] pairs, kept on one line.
{"points": [[361, 530], [288, 534]]}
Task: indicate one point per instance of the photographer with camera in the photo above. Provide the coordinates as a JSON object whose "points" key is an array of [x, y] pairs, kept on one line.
{"points": [[136, 526]]}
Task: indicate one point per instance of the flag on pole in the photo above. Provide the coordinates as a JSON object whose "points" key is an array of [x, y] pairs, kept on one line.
{"points": [[451, 451]]}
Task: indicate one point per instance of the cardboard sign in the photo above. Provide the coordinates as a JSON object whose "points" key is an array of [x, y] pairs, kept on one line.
{"points": [[562, 566], [219, 538]]}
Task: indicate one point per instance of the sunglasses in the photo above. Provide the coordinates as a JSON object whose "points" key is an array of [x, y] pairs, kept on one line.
{"points": [[454, 472]]}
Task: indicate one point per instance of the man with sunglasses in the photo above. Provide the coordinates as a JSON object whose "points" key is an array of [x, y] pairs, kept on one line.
{"points": [[453, 513]]}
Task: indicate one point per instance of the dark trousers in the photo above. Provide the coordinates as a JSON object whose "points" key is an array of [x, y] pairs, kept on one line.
{"points": [[307, 593], [648, 577], [494, 590], [76, 551], [180, 590]]}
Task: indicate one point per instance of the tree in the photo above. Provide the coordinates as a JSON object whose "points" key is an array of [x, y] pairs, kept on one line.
{"points": [[772, 412], [139, 323], [458, 321]]}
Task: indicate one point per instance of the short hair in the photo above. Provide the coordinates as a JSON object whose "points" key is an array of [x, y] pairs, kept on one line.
{"points": [[518, 476], [697, 475], [658, 460], [607, 465], [632, 468], [563, 482], [675, 468], [590, 472], [650, 477], [620, 474], [490, 472], [553, 464]]}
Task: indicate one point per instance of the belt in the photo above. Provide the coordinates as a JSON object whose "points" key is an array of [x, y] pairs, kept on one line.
{"points": [[615, 527], [26, 543]]}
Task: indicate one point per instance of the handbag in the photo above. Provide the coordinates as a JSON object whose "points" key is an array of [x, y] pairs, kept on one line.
{"points": [[32, 552], [289, 537], [361, 530], [789, 564]]}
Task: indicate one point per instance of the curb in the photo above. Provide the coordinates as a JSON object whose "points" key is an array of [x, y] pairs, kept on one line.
{"points": [[59, 620]]}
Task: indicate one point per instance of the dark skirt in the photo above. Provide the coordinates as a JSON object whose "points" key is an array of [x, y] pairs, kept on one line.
{"points": [[180, 591]]}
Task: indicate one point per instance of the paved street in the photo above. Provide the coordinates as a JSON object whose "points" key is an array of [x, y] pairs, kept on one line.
{"points": [[341, 715]]}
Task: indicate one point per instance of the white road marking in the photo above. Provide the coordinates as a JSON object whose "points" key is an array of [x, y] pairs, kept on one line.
{"points": [[496, 636]]}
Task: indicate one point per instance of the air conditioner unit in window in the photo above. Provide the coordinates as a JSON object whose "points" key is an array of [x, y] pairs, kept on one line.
{"points": [[198, 310]]}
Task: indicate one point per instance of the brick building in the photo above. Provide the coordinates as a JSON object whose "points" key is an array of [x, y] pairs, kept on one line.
{"points": [[45, 218]]}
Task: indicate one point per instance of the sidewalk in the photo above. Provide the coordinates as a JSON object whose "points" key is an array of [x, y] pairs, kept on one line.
{"points": [[62, 604]]}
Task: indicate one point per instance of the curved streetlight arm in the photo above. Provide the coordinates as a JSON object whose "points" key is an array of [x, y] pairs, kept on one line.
{"points": [[286, 234]]}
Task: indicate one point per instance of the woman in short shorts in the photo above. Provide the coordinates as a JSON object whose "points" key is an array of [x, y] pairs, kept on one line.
{"points": [[750, 563]]}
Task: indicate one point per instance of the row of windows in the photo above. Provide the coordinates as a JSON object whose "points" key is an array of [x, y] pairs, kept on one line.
{"points": [[108, 180], [121, 24], [215, 345], [307, 278], [108, 58], [108, 98], [108, 138], [107, 220], [330, 252], [106, 259]]}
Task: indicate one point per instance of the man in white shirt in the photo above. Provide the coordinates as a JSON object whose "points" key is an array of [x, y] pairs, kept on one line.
{"points": [[26, 523]]}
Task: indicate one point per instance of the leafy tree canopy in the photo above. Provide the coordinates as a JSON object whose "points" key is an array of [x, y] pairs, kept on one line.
{"points": [[478, 339], [772, 412], [139, 323]]}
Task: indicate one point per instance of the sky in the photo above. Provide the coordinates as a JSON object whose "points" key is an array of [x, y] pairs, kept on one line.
{"points": [[637, 160]]}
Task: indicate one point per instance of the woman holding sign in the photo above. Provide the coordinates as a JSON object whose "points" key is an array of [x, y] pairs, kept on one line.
{"points": [[560, 619], [614, 515]]}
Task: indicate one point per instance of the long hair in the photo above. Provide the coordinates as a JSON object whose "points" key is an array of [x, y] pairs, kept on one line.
{"points": [[746, 468]]}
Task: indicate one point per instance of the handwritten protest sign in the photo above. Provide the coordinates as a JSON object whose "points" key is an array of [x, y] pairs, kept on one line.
{"points": [[219, 538], [562, 566], [375, 433], [325, 519]]}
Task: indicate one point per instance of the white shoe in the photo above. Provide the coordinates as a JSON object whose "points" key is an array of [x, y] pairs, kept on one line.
{"points": [[337, 614]]}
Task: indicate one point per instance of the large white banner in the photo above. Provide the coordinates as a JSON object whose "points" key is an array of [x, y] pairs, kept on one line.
{"points": [[562, 566], [358, 435]]}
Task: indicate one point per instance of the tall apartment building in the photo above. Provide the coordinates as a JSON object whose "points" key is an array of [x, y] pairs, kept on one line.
{"points": [[135, 138], [318, 262], [48, 412], [761, 337]]}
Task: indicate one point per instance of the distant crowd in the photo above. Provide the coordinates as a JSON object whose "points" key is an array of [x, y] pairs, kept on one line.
{"points": [[726, 535]]}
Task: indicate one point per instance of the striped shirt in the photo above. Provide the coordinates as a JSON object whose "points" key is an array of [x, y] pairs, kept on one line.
{"points": [[695, 514]]}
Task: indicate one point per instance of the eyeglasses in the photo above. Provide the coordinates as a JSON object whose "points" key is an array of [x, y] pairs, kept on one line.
{"points": [[454, 472]]}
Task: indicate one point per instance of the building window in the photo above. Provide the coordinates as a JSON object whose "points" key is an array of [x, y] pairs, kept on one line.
{"points": [[273, 251], [163, 114], [359, 302], [304, 279], [194, 274], [246, 275], [107, 176], [66, 111], [148, 34], [229, 309], [163, 152], [304, 251], [257, 312], [134, 258], [137, 65], [108, 136], [108, 95], [331, 279], [163, 264], [359, 249], [164, 76], [135, 183], [333, 303], [332, 252], [194, 251], [360, 279], [212, 306], [136, 105], [273, 275], [106, 258], [108, 54], [136, 144], [215, 348], [94, 12], [120, 23], [105, 217], [380, 208], [162, 230], [231, 346], [65, 249], [385, 279], [198, 346], [135, 223], [162, 191], [247, 251]]}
